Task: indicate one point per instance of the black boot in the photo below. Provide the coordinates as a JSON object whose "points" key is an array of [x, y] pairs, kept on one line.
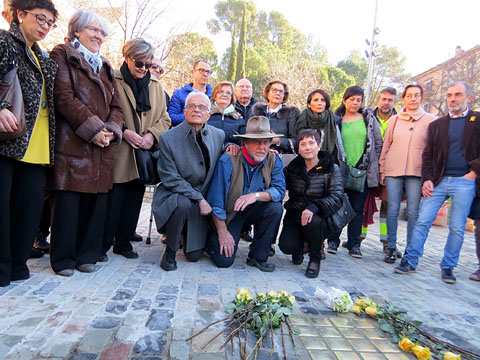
{"points": [[168, 262], [391, 256]]}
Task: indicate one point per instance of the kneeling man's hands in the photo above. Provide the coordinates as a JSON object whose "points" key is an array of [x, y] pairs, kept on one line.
{"points": [[205, 207], [227, 243], [243, 201]]}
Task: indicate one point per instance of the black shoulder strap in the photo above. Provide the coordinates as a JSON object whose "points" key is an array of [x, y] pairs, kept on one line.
{"points": [[326, 176]]}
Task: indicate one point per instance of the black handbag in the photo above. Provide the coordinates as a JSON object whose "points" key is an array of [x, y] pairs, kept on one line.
{"points": [[338, 220], [146, 159], [11, 91]]}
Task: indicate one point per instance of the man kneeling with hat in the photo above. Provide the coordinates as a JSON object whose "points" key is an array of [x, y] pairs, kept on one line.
{"points": [[247, 189]]}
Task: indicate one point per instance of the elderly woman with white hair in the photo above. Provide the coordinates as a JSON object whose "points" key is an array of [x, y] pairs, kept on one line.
{"points": [[88, 124], [145, 118]]}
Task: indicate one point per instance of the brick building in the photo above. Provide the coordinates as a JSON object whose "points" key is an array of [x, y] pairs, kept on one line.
{"points": [[464, 66]]}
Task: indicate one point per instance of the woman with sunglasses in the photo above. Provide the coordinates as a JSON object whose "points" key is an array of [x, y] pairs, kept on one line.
{"points": [[23, 159], [88, 120], [142, 100], [282, 118]]}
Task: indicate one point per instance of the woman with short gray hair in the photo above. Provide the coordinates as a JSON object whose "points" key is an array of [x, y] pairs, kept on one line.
{"points": [[88, 121], [145, 118]]}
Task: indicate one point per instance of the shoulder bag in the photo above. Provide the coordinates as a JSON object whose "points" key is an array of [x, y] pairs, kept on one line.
{"points": [[338, 220], [146, 159], [11, 91], [354, 179]]}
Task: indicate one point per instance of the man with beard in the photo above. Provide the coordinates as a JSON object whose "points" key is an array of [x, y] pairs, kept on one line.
{"points": [[247, 189]]}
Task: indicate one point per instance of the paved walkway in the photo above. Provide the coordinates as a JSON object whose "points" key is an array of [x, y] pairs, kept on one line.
{"points": [[131, 309]]}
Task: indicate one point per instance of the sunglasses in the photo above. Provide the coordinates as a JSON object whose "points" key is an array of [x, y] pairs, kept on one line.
{"points": [[157, 67], [141, 64], [42, 19]]}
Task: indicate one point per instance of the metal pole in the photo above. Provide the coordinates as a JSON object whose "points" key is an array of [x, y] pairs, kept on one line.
{"points": [[371, 58]]}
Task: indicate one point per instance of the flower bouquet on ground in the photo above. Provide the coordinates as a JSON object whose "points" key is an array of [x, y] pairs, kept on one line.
{"points": [[261, 315], [408, 335], [336, 299]]}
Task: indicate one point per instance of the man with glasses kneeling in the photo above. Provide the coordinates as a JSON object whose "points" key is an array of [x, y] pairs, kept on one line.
{"points": [[187, 158]]}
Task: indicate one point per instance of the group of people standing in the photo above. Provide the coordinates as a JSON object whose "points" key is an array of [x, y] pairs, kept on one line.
{"points": [[222, 159]]}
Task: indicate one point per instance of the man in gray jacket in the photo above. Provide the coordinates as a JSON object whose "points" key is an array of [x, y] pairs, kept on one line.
{"points": [[188, 154]]}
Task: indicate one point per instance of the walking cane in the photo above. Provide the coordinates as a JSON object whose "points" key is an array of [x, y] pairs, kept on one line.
{"points": [[148, 241]]}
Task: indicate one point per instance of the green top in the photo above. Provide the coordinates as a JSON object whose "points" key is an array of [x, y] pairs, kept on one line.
{"points": [[354, 136], [383, 126]]}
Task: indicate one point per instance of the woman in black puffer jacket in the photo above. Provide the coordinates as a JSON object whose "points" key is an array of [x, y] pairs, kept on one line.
{"points": [[310, 201], [282, 118]]}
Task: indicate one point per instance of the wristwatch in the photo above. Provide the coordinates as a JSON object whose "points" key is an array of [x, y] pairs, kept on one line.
{"points": [[257, 196]]}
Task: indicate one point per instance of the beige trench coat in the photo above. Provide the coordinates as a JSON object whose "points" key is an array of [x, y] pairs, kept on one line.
{"points": [[156, 121]]}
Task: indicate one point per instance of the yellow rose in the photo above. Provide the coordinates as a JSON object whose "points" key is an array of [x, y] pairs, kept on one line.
{"points": [[359, 302], [422, 353], [451, 356], [356, 309], [406, 344], [372, 311], [365, 303], [272, 293], [283, 293], [292, 300], [262, 296]]}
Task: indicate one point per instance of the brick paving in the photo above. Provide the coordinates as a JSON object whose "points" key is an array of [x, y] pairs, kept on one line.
{"points": [[131, 309]]}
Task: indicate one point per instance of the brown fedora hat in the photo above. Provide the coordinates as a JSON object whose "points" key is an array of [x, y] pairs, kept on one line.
{"points": [[258, 127]]}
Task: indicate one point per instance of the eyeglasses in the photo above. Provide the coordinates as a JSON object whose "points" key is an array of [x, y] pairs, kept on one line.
{"points": [[97, 31], [157, 68], [201, 108], [224, 92], [277, 91], [42, 20], [204, 71], [141, 64]]}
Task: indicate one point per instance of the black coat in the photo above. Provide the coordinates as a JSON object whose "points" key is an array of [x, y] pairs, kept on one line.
{"points": [[281, 122], [245, 111], [307, 190]]}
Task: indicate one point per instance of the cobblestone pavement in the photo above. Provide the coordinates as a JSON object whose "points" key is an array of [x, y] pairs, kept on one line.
{"points": [[131, 309]]}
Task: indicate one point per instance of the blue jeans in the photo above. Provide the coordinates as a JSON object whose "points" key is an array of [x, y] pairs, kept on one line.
{"points": [[413, 190], [462, 192]]}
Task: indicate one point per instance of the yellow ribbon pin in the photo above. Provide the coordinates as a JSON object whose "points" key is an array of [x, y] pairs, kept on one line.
{"points": [[472, 118]]}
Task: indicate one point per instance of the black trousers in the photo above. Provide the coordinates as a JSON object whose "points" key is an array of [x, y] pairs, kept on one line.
{"points": [[21, 197], [77, 228], [265, 216], [45, 220], [123, 209], [175, 226], [294, 235]]}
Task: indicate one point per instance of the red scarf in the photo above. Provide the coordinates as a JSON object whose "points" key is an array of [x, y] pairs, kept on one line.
{"points": [[248, 158]]}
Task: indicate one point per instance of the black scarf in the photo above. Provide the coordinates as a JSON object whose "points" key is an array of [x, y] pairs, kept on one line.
{"points": [[324, 121], [139, 88]]}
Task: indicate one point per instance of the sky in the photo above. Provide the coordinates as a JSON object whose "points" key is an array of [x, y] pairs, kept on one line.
{"points": [[425, 31]]}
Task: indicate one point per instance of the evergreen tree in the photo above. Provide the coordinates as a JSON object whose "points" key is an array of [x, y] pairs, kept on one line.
{"points": [[232, 63], [242, 45]]}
